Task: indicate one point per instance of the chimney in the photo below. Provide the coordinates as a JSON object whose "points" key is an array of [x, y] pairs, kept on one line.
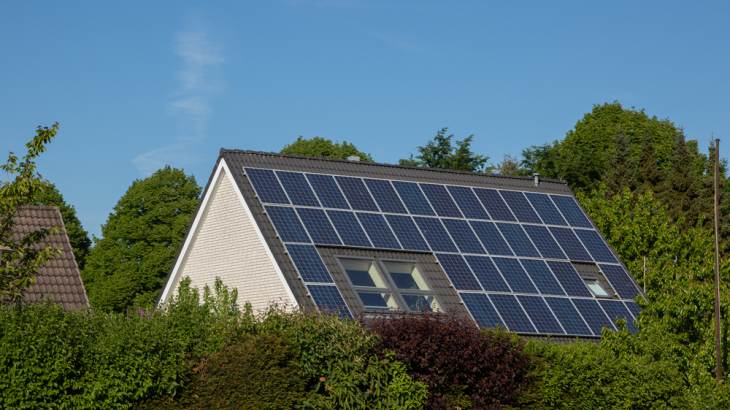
{"points": [[353, 158], [536, 179]]}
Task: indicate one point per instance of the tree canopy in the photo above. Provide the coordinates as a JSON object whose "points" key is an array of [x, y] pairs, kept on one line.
{"points": [[324, 148], [440, 153]]}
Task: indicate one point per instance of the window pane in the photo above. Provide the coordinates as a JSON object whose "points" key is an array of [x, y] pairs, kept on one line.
{"points": [[419, 303], [406, 275], [363, 273], [596, 288], [379, 301]]}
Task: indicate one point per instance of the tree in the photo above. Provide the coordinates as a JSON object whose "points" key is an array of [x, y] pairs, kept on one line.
{"points": [[681, 186], [510, 165], [127, 266], [622, 172], [320, 147], [648, 175], [439, 153]]}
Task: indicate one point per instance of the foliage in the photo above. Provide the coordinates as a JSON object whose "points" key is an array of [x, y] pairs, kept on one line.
{"points": [[510, 165], [622, 172], [127, 266], [18, 269], [320, 147], [439, 153]]}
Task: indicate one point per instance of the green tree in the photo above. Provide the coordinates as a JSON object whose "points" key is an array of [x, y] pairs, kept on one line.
{"points": [[648, 175], [127, 266], [320, 147], [622, 173], [510, 165], [439, 153]]}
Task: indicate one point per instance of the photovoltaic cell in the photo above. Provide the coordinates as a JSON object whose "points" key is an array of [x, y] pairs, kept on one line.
{"points": [[544, 242], [542, 277], [633, 308], [458, 272], [494, 204], [407, 232], [515, 275], [435, 234], [287, 224], [487, 274], [379, 232], [571, 211], [385, 196], [514, 317], [267, 186], [357, 194], [441, 200], [463, 236], [491, 238], [541, 316], [412, 196], [595, 245], [329, 300], [520, 207], [308, 263], [546, 209], [481, 309], [518, 240], [568, 316], [327, 191], [319, 227], [569, 278], [620, 281], [349, 228], [615, 309], [298, 188], [570, 244], [468, 202], [593, 315]]}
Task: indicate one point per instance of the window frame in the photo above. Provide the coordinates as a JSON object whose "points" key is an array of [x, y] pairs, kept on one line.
{"points": [[596, 279]]}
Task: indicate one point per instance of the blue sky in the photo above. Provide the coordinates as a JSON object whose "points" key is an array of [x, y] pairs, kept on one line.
{"points": [[136, 85]]}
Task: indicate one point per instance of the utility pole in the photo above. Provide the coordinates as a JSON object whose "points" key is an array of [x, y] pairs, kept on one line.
{"points": [[718, 352]]}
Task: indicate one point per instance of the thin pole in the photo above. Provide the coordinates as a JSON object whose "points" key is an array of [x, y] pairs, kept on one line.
{"points": [[644, 274], [718, 353]]}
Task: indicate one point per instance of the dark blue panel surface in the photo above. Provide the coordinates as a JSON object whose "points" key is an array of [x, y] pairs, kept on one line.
{"points": [[468, 202], [541, 316], [309, 263], [329, 300], [349, 228], [595, 245], [385, 196], [412, 196], [407, 232], [568, 316], [570, 244], [357, 194], [298, 188], [546, 209], [569, 278], [494, 203], [487, 274], [287, 224], [441, 200], [435, 234], [327, 191], [633, 308], [616, 309], [458, 272], [515, 275], [544, 242], [620, 281], [319, 227], [481, 309], [378, 230], [518, 240], [463, 236], [491, 238], [542, 277], [521, 208], [514, 317], [593, 315], [267, 186], [571, 211]]}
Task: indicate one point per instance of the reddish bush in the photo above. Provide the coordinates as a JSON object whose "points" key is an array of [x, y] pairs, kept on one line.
{"points": [[462, 366]]}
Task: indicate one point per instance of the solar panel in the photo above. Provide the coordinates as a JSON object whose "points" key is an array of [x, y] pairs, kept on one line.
{"points": [[567, 315], [412, 196], [468, 202], [511, 312], [571, 211], [546, 209], [593, 315], [633, 308], [570, 244], [357, 194], [349, 228], [441, 200], [327, 191], [544, 242], [620, 281], [407, 232], [542, 277], [318, 225], [518, 240], [540, 314], [309, 263], [494, 204], [595, 245], [569, 279], [491, 238], [297, 188], [615, 309], [481, 309], [378, 230], [287, 224], [487, 274], [328, 299], [462, 234], [267, 186], [385, 196], [435, 234], [515, 275], [458, 272], [521, 208]]}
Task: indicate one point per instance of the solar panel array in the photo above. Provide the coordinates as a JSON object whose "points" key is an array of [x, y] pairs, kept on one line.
{"points": [[507, 253]]}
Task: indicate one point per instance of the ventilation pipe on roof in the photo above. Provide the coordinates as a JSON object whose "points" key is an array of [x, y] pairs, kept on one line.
{"points": [[536, 179], [353, 158]]}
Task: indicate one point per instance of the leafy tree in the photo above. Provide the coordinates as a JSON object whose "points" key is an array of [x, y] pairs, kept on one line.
{"points": [[127, 266], [622, 173], [510, 165], [544, 159], [320, 147], [439, 153], [680, 187], [648, 175]]}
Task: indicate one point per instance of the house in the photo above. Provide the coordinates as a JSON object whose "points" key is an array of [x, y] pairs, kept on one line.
{"points": [[355, 237]]}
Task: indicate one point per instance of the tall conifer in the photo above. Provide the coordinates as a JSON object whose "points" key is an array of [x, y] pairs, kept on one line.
{"points": [[621, 169], [648, 175]]}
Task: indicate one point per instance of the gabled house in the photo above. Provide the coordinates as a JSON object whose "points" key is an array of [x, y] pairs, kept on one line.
{"points": [[355, 237]]}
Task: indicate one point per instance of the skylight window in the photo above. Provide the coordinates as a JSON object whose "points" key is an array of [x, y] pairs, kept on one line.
{"points": [[596, 288]]}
